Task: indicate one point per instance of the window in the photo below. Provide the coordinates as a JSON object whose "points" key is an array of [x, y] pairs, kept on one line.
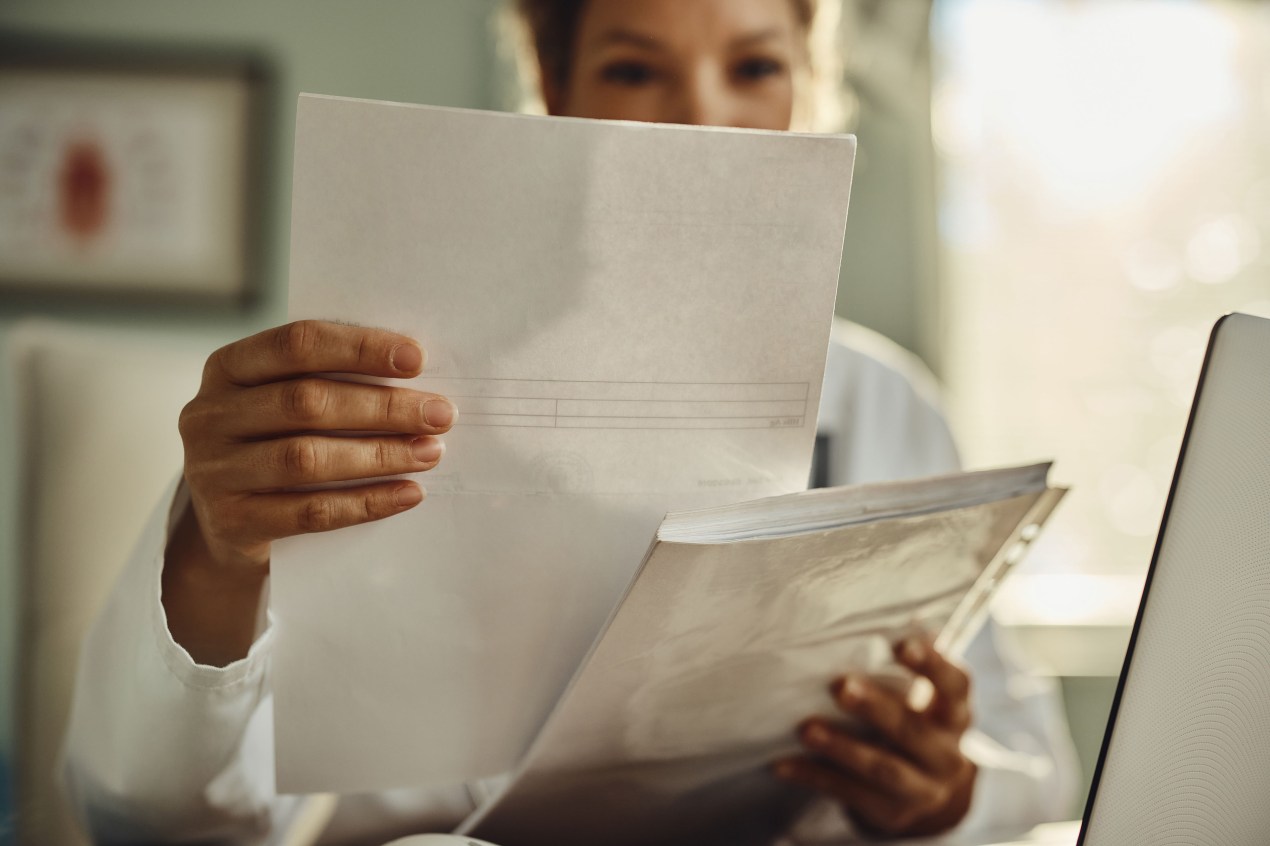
{"points": [[1105, 197]]}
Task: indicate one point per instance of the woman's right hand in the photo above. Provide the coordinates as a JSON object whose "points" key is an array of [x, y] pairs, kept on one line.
{"points": [[265, 423]]}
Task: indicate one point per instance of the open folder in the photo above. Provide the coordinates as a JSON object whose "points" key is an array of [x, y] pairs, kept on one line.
{"points": [[729, 637], [631, 318]]}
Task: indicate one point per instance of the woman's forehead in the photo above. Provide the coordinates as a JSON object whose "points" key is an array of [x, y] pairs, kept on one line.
{"points": [[681, 24]]}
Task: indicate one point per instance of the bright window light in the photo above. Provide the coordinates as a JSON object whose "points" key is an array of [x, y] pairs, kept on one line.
{"points": [[1105, 197]]}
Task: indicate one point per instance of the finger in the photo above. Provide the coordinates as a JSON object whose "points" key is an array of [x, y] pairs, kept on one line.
{"points": [[314, 404], [878, 811], [889, 714], [280, 515], [314, 346], [883, 770], [951, 703], [314, 459]]}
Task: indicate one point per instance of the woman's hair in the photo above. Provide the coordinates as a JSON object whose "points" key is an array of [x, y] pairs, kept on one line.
{"points": [[543, 31]]}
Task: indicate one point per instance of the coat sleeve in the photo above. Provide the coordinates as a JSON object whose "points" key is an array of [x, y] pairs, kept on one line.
{"points": [[160, 748], [1028, 773]]}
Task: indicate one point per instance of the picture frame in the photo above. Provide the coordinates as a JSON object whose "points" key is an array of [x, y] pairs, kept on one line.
{"points": [[131, 174]]}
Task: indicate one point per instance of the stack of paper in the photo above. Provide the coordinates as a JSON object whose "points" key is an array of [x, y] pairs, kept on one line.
{"points": [[730, 635]]}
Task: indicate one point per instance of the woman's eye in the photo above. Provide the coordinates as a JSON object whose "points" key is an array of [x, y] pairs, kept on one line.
{"points": [[627, 73], [755, 69]]}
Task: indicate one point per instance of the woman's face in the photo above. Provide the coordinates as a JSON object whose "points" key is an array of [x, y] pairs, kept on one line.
{"points": [[708, 62]]}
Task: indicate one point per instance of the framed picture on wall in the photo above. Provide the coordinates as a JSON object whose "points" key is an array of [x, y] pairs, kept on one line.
{"points": [[130, 173]]}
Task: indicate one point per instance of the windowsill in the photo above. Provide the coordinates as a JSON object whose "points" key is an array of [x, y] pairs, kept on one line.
{"points": [[1071, 625]]}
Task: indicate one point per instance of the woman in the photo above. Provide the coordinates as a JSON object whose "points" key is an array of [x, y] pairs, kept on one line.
{"points": [[746, 63]]}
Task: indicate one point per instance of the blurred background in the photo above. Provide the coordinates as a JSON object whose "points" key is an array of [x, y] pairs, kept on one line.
{"points": [[1054, 201]]}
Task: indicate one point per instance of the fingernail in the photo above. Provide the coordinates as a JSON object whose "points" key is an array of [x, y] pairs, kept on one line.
{"points": [[439, 412], [428, 449], [915, 650], [852, 689], [408, 495], [406, 358], [816, 735]]}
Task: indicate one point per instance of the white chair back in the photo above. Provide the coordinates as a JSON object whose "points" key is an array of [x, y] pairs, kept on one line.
{"points": [[98, 442]]}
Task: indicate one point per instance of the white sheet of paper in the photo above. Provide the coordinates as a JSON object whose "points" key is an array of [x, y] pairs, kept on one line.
{"points": [[719, 650], [631, 318]]}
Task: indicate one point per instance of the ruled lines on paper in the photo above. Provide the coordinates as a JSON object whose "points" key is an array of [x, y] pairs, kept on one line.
{"points": [[626, 405]]}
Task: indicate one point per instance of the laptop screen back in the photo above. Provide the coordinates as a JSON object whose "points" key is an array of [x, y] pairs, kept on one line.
{"points": [[1187, 754]]}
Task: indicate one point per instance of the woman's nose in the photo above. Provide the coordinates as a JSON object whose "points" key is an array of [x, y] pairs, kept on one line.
{"points": [[703, 99]]}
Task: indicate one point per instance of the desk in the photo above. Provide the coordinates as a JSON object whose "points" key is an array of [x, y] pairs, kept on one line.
{"points": [[1050, 834]]}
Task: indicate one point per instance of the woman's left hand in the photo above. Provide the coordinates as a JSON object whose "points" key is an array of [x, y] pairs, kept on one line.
{"points": [[911, 778]]}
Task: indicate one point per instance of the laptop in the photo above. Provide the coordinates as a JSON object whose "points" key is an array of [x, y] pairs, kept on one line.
{"points": [[1186, 755]]}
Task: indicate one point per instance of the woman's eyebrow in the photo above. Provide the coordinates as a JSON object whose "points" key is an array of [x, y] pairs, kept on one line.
{"points": [[619, 35], [634, 38], [752, 38]]}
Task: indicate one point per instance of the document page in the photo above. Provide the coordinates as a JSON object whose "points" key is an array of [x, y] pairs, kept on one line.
{"points": [[631, 319], [721, 648]]}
